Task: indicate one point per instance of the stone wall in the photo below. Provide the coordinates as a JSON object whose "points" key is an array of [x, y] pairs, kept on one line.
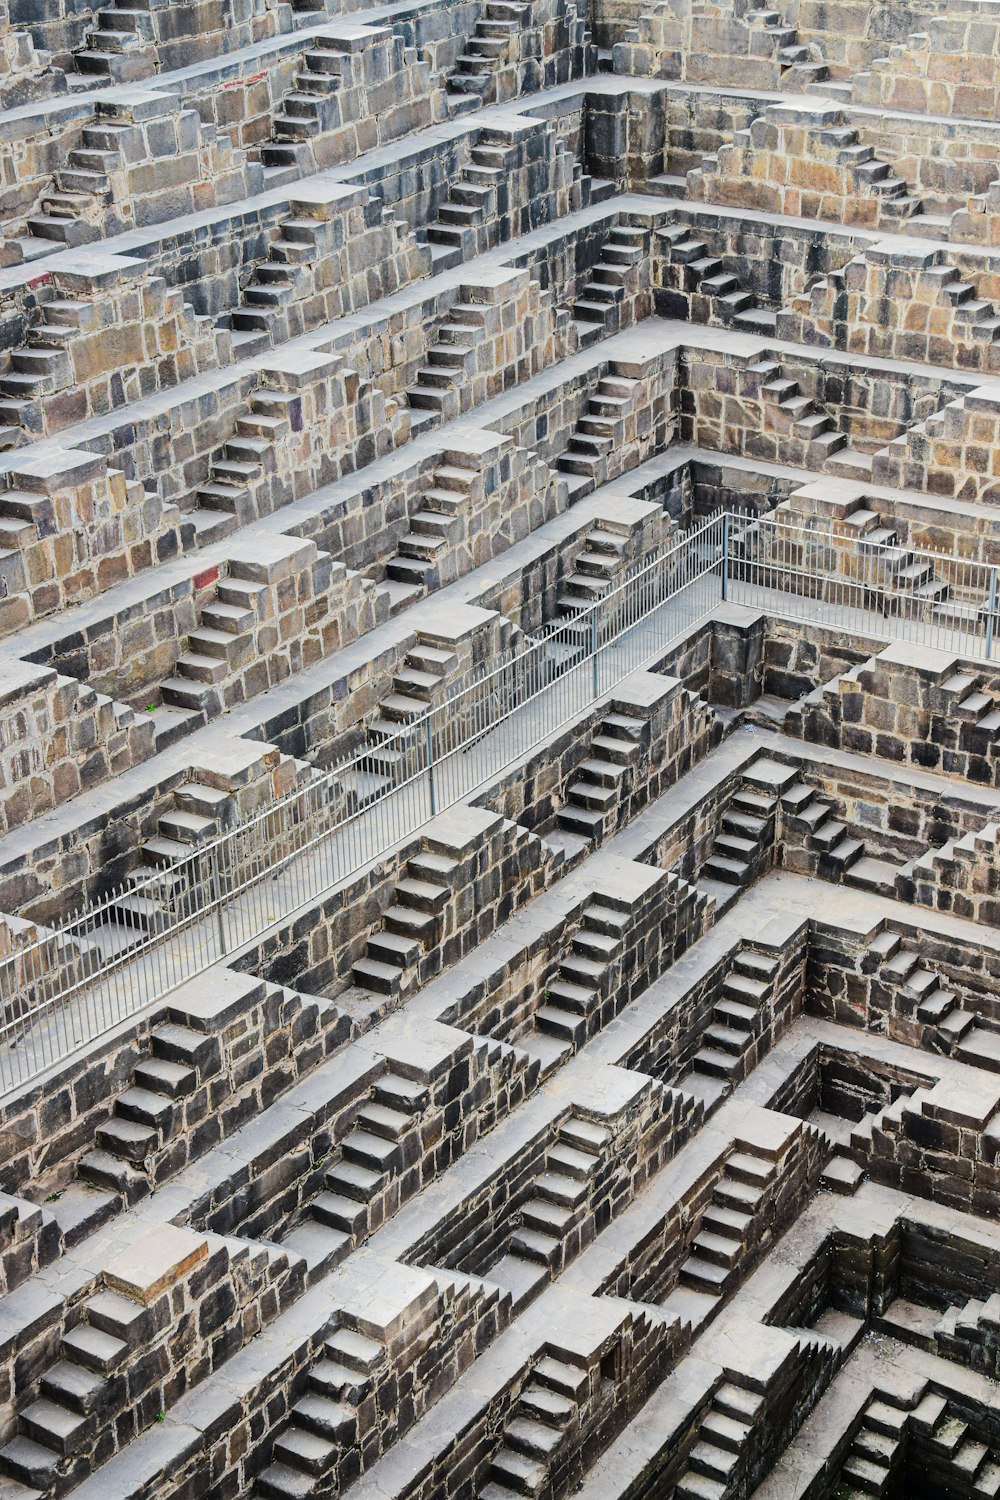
{"points": [[136, 136], [491, 881], [913, 707], [188, 1301], [898, 304], [60, 738], [74, 527], [256, 1039], [116, 335]]}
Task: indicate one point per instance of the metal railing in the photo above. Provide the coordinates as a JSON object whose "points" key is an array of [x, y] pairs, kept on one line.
{"points": [[829, 572], [65, 986]]}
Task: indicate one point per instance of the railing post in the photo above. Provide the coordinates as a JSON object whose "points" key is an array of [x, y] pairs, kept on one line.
{"points": [[595, 675], [429, 748], [991, 611], [217, 888], [725, 555]]}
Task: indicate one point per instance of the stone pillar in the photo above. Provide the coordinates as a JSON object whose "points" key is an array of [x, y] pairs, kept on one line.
{"points": [[737, 653]]}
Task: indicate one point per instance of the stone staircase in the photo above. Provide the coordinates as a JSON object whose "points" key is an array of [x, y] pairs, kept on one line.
{"points": [[74, 210], [911, 74], [308, 109], [369, 1158], [876, 1459], [810, 818], [721, 1440], [916, 577], [214, 652], [911, 52], [101, 1376], [738, 1016], [956, 313], [492, 46], [896, 1431], [966, 701], [596, 569], [888, 1121], [963, 868], [30, 1238], [594, 436], [743, 845], [450, 362], [235, 492], [410, 927], [459, 231], [597, 313], [168, 883], [560, 1196], [537, 1428], [326, 1420], [970, 1335], [787, 410], [801, 66], [422, 683], [572, 998], [717, 1258], [77, 1392], [890, 568], [277, 284], [951, 1440], [593, 797], [34, 373], [93, 195], [824, 140], [934, 454], [707, 290], [435, 528], [120, 46], [147, 1113], [34, 521], [211, 674], [925, 995]]}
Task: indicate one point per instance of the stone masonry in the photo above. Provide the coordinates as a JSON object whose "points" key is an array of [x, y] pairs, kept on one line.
{"points": [[499, 750]]}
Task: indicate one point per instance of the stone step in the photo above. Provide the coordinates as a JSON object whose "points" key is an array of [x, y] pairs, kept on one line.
{"points": [[30, 1462]]}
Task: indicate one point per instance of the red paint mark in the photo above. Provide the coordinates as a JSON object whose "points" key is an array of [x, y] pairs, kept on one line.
{"points": [[41, 280], [241, 83], [203, 580]]}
